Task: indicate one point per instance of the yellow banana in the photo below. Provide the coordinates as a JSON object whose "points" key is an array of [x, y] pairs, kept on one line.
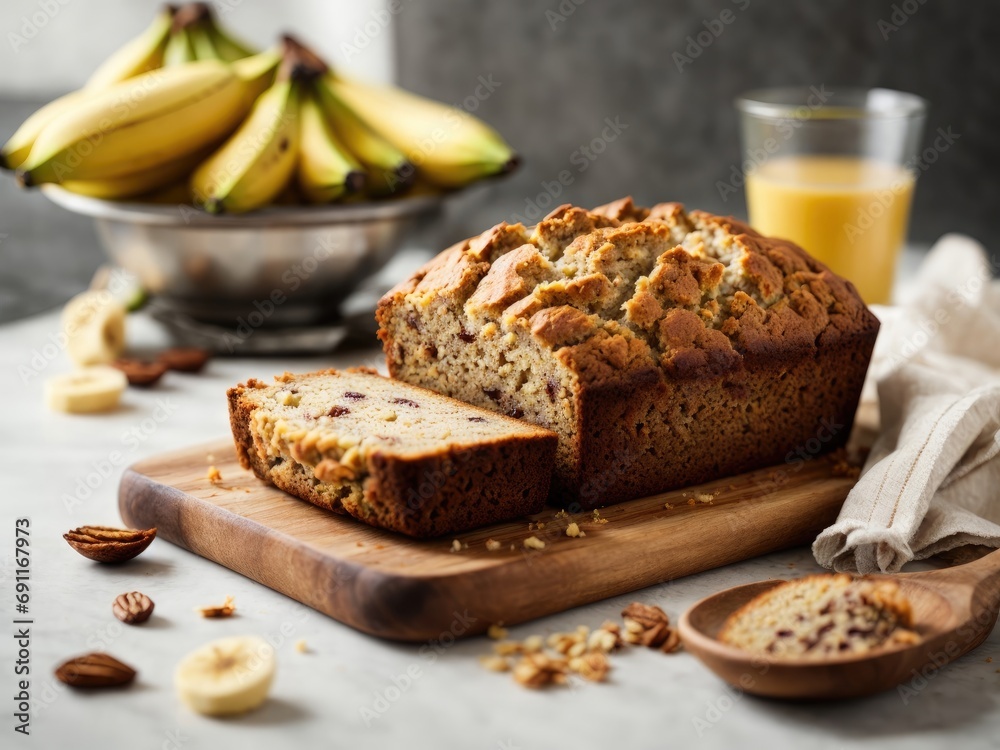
{"points": [[138, 56], [326, 169], [447, 145], [256, 163], [202, 43], [138, 183], [17, 148], [141, 54], [146, 121], [169, 195], [229, 49], [179, 49], [387, 167]]}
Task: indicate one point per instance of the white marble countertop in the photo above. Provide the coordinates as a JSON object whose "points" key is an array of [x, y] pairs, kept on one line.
{"points": [[652, 700]]}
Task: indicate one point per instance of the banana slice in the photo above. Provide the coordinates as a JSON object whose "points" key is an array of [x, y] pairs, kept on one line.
{"points": [[94, 324], [227, 676], [87, 390]]}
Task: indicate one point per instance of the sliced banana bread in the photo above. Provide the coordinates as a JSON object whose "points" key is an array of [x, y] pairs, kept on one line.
{"points": [[820, 616], [664, 347], [390, 454]]}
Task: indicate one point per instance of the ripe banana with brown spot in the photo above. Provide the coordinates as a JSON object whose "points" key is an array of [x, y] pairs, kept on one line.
{"points": [[254, 165]]}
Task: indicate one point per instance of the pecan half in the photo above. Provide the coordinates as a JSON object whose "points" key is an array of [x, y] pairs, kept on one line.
{"points": [[108, 544], [133, 608], [140, 373], [649, 626], [95, 671], [185, 358]]}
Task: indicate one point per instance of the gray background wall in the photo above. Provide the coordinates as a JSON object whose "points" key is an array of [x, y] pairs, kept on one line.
{"points": [[559, 79], [559, 69]]}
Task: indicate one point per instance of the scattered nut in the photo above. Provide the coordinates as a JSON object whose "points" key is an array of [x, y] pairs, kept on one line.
{"points": [[594, 666], [95, 671], [494, 663], [649, 626], [533, 542], [140, 373], [133, 608], [605, 639], [226, 609], [507, 648], [185, 358], [108, 544], [539, 670], [532, 644]]}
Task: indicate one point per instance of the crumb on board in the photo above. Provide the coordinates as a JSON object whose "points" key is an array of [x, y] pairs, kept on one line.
{"points": [[214, 475], [574, 530], [668, 506], [493, 545], [533, 542], [597, 517], [456, 546], [561, 514], [226, 609]]}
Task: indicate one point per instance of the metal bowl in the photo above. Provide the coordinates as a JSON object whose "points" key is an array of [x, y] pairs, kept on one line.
{"points": [[285, 265]]}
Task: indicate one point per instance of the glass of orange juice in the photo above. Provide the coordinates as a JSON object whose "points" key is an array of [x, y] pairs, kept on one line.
{"points": [[834, 171]]}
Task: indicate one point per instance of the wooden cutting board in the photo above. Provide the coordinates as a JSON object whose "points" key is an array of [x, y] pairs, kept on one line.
{"points": [[395, 587]]}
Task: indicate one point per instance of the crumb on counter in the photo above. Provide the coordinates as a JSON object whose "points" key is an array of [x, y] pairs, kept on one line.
{"points": [[301, 646], [226, 609], [533, 542], [493, 545], [214, 475], [574, 530]]}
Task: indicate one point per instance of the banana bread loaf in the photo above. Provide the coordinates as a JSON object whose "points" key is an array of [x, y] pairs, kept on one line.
{"points": [[664, 347], [390, 454]]}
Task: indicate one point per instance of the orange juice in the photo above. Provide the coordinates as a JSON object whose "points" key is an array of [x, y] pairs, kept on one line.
{"points": [[848, 212]]}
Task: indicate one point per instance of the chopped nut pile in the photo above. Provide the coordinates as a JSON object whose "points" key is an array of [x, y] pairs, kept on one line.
{"points": [[583, 652]]}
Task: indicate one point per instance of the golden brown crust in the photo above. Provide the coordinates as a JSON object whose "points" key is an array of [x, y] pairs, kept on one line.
{"points": [[668, 325]]}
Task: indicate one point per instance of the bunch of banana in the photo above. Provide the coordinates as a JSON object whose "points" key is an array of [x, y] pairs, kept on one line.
{"points": [[184, 101], [448, 146], [195, 35], [82, 125]]}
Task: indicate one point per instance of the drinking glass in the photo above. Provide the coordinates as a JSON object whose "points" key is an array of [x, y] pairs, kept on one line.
{"points": [[834, 171]]}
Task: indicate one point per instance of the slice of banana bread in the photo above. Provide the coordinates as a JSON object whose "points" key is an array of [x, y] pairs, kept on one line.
{"points": [[664, 347], [390, 454], [821, 616]]}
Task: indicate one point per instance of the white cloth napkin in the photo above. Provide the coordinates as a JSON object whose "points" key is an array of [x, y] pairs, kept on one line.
{"points": [[932, 479]]}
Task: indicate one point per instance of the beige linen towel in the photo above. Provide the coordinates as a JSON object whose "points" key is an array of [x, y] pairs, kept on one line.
{"points": [[932, 479]]}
